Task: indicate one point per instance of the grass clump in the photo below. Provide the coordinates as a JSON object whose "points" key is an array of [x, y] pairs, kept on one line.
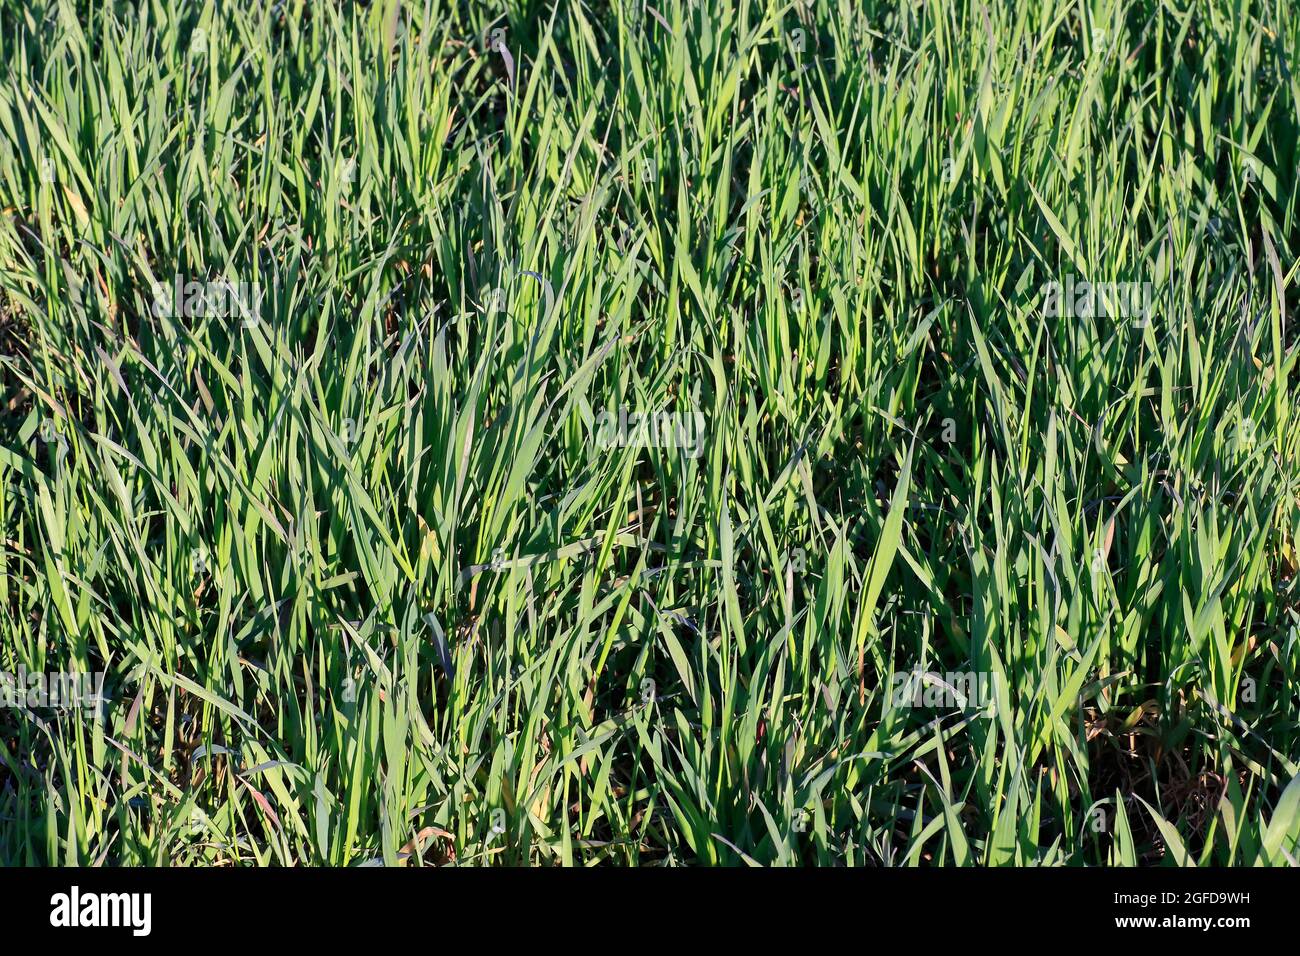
{"points": [[806, 433]]}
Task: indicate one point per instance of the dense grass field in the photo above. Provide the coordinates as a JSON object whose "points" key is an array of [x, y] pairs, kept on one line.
{"points": [[705, 433]]}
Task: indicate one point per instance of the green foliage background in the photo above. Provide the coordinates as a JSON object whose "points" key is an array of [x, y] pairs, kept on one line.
{"points": [[363, 584]]}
